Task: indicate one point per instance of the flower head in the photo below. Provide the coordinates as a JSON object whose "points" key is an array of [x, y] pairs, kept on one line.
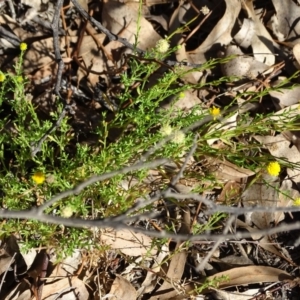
{"points": [[181, 95], [179, 137], [215, 111], [166, 130], [23, 46], [2, 77], [273, 168], [67, 212], [297, 202], [205, 10], [19, 79], [162, 46], [38, 177]]}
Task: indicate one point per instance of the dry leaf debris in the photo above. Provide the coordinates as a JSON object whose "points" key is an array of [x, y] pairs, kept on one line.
{"points": [[199, 82]]}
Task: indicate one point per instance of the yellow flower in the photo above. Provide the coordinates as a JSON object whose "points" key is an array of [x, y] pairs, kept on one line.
{"points": [[215, 111], [2, 77], [181, 95], [297, 202], [273, 168], [38, 177], [23, 46]]}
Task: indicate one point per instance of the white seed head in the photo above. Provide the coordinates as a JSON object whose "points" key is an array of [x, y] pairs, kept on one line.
{"points": [[166, 130], [162, 46], [179, 137]]}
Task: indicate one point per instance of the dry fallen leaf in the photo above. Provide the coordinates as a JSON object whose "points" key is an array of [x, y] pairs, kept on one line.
{"points": [[66, 289], [287, 14], [176, 266], [150, 280], [225, 170], [122, 289], [251, 274], [128, 242], [122, 19], [262, 42], [221, 33]]}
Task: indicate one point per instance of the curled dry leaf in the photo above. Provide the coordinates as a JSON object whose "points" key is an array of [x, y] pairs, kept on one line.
{"points": [[245, 35], [251, 274], [242, 66], [122, 289], [221, 34], [285, 24], [285, 97], [67, 267], [225, 170], [66, 289], [262, 42], [128, 242], [20, 292], [122, 19], [296, 52], [149, 282], [262, 194], [177, 264]]}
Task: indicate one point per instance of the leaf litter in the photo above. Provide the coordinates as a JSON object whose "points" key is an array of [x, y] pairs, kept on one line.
{"points": [[261, 39]]}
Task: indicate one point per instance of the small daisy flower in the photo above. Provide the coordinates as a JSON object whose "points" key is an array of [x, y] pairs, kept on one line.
{"points": [[162, 46], [273, 168], [297, 202], [166, 130], [23, 46], [179, 137], [2, 77], [38, 177], [215, 111]]}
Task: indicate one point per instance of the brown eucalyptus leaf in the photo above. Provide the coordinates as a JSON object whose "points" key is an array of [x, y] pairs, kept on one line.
{"points": [[251, 274], [122, 289], [287, 25], [262, 194], [285, 97], [176, 266], [225, 170], [262, 42], [129, 242], [150, 281], [68, 289], [121, 18], [245, 35], [296, 52], [221, 33], [21, 292], [41, 53]]}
